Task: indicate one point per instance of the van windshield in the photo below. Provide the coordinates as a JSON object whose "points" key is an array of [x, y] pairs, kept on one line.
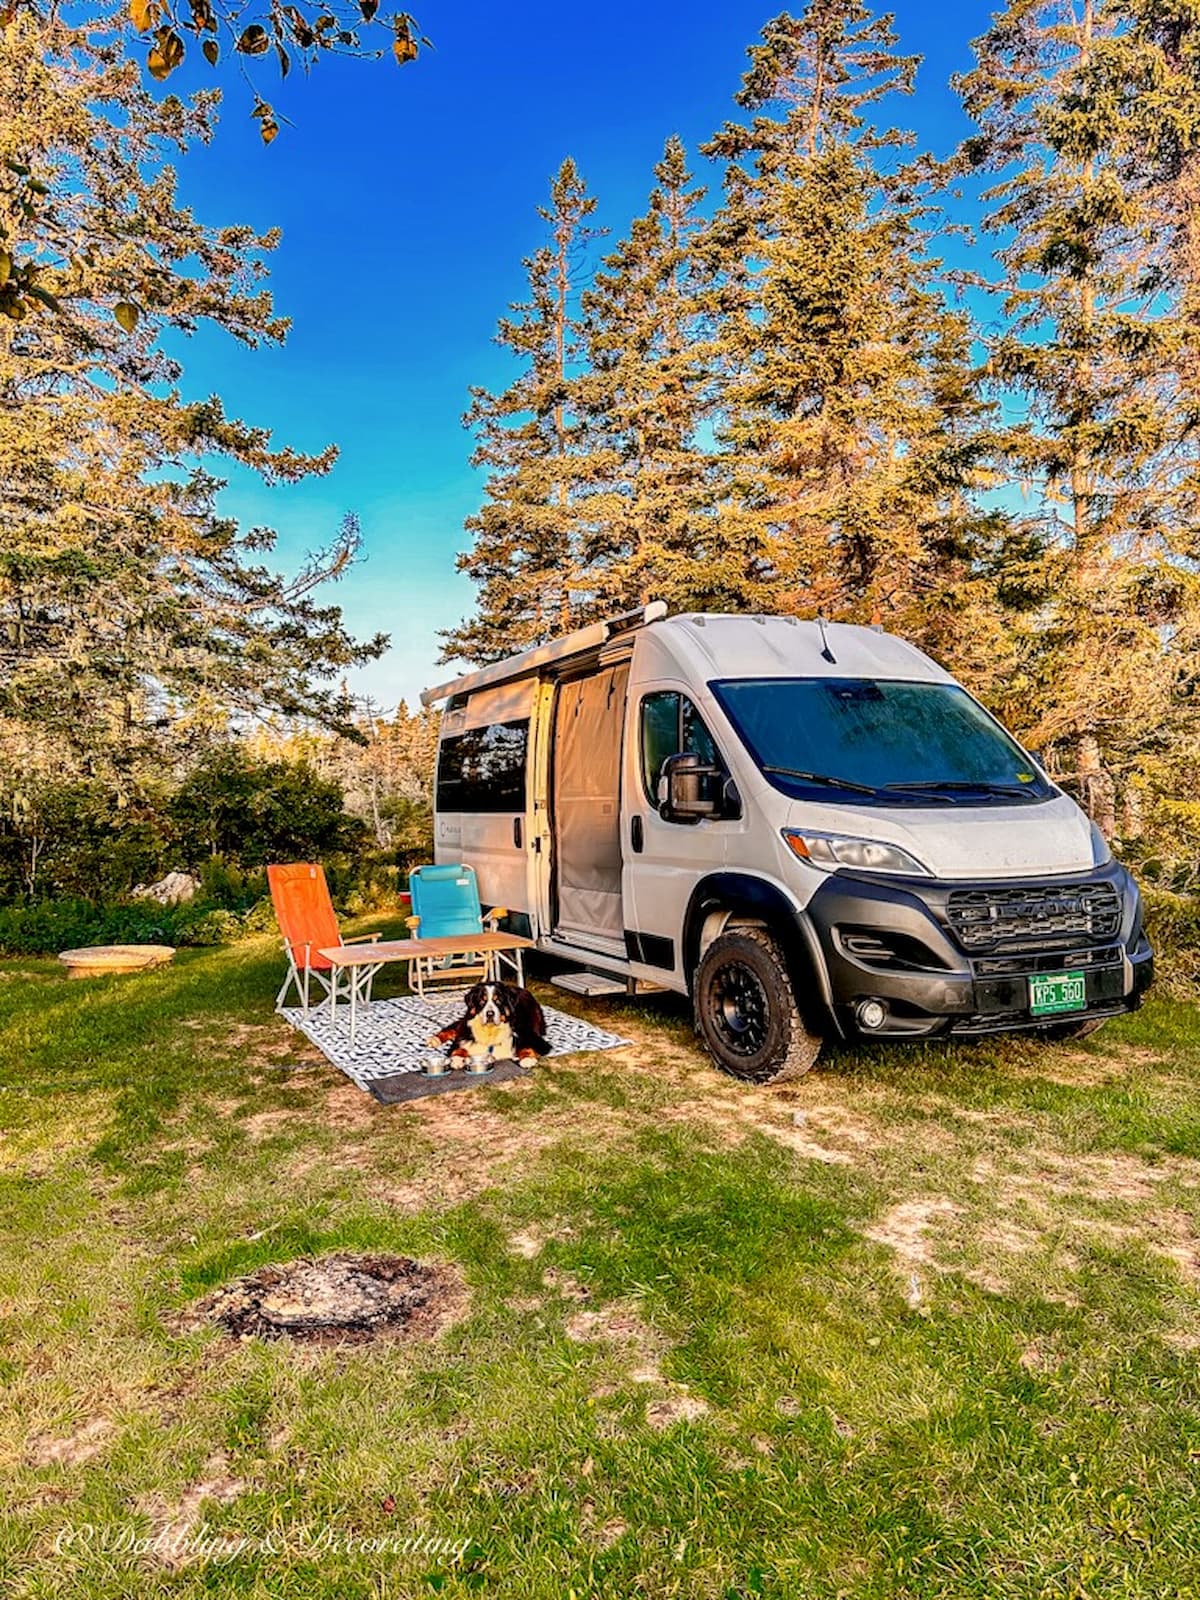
{"points": [[872, 742]]}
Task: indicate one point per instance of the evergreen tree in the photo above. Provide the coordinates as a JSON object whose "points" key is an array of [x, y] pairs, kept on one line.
{"points": [[530, 551], [1087, 125], [647, 393], [851, 423], [130, 607]]}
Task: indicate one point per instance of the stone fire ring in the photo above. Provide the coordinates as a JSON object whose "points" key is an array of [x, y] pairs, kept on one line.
{"points": [[99, 960]]}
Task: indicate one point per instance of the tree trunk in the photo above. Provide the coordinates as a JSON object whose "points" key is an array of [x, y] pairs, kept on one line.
{"points": [[1096, 788]]}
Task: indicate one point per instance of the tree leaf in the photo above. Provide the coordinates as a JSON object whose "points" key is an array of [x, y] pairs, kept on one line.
{"points": [[404, 49], [268, 130], [156, 64], [252, 41], [212, 51], [126, 314], [5, 267], [368, 9], [143, 14], [171, 45]]}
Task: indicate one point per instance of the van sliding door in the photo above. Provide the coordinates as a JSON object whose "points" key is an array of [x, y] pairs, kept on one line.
{"points": [[588, 718]]}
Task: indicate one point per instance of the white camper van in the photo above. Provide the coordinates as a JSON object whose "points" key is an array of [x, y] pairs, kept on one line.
{"points": [[810, 828]]}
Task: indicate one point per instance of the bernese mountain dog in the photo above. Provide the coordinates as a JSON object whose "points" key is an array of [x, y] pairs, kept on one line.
{"points": [[500, 1023]]}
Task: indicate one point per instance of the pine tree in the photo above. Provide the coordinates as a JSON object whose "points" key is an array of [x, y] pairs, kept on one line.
{"points": [[130, 607], [1093, 202], [851, 423], [647, 393], [529, 551]]}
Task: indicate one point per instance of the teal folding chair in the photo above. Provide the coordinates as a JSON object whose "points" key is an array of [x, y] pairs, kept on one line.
{"points": [[445, 902]]}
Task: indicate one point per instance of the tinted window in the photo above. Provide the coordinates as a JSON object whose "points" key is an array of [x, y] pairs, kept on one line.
{"points": [[484, 769], [671, 725], [916, 743]]}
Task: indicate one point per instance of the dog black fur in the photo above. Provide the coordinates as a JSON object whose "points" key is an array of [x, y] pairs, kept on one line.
{"points": [[517, 1008]]}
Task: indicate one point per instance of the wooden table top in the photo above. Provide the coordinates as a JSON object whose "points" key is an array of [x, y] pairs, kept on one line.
{"points": [[360, 955]]}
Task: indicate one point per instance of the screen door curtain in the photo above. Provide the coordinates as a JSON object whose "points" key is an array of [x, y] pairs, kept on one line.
{"points": [[587, 807]]}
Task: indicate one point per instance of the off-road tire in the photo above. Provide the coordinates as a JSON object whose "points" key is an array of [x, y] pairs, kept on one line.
{"points": [[746, 1012], [1063, 1031]]}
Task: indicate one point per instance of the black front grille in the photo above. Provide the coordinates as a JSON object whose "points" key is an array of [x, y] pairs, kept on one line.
{"points": [[1057, 961], [1028, 916]]}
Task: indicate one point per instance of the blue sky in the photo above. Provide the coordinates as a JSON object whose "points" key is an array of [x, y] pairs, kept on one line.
{"points": [[407, 199]]}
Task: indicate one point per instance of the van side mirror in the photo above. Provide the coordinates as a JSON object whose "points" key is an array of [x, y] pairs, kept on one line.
{"points": [[691, 788]]}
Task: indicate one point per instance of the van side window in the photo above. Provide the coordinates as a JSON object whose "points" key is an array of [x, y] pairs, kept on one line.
{"points": [[484, 769], [671, 725]]}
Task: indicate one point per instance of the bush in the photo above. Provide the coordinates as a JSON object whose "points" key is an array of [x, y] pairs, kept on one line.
{"points": [[1173, 923], [230, 906], [237, 809], [54, 925], [80, 840]]}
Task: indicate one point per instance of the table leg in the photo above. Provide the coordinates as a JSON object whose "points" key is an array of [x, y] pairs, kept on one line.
{"points": [[361, 979]]}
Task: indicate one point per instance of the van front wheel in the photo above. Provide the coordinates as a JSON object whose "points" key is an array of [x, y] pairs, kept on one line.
{"points": [[746, 1012]]}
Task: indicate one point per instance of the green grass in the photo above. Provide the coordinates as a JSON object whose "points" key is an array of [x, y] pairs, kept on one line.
{"points": [[924, 1324]]}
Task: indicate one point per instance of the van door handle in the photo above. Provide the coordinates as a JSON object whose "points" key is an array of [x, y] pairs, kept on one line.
{"points": [[517, 832], [637, 832]]}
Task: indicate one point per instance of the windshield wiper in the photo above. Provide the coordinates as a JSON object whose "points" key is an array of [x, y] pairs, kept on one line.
{"points": [[957, 786], [821, 778]]}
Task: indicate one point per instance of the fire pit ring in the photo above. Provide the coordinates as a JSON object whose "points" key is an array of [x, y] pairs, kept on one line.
{"points": [[99, 960]]}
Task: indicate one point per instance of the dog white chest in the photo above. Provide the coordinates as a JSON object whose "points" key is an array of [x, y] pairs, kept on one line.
{"points": [[491, 1038]]}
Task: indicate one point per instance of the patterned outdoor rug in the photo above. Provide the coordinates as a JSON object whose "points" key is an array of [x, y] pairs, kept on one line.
{"points": [[392, 1034]]}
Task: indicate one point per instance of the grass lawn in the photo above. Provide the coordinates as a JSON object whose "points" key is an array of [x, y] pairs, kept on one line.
{"points": [[923, 1324]]}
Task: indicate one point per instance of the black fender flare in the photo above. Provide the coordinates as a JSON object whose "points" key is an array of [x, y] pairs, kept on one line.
{"points": [[745, 895]]}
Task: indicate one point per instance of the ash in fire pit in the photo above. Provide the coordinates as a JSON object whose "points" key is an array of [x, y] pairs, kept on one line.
{"points": [[339, 1299]]}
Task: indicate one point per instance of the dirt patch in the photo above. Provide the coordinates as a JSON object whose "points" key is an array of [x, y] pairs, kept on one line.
{"points": [[683, 1407], [347, 1106], [77, 1447], [566, 1285], [265, 1042], [798, 1140], [622, 1326], [265, 1124], [340, 1299], [175, 1538], [905, 1228], [1172, 1234], [1104, 1179]]}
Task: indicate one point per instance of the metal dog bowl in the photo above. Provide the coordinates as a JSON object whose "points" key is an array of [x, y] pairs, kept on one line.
{"points": [[480, 1066], [436, 1065]]}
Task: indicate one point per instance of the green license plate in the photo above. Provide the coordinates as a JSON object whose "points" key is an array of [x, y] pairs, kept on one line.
{"points": [[1057, 991]]}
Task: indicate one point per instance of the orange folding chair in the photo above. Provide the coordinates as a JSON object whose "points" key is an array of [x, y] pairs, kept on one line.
{"points": [[309, 925]]}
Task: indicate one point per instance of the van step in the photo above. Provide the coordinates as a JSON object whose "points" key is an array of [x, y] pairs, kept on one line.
{"points": [[590, 983]]}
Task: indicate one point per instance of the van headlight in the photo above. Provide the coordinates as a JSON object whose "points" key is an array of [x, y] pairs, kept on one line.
{"points": [[1101, 854], [829, 851]]}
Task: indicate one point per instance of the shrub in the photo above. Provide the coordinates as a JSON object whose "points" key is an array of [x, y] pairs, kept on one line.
{"points": [[1173, 923], [240, 810], [50, 926], [80, 840], [54, 925]]}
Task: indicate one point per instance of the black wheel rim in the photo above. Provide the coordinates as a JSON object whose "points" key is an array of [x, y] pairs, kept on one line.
{"points": [[740, 1009]]}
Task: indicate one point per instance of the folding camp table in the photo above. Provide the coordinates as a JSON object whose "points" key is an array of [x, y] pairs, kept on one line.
{"points": [[360, 963]]}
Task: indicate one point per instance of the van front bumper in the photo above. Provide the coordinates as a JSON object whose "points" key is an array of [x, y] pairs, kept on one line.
{"points": [[956, 958]]}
